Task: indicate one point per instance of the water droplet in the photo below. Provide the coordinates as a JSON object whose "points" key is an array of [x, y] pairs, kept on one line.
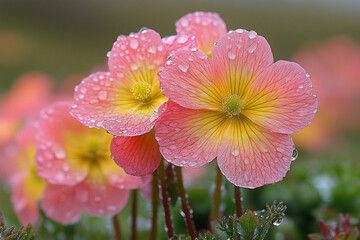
{"points": [[239, 30], [184, 67], [279, 220], [184, 22], [134, 43], [300, 86], [252, 48], [235, 152], [152, 49], [182, 39], [307, 75], [59, 177], [252, 34], [134, 66], [294, 155], [231, 55], [193, 49], [102, 95], [108, 53]]}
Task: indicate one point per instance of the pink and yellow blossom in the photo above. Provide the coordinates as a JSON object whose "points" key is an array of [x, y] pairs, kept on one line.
{"points": [[126, 101], [239, 106], [76, 161]]}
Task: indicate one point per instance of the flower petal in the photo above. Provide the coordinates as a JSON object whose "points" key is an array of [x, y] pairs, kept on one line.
{"points": [[281, 98], [250, 156], [138, 156], [206, 26], [187, 137], [130, 52], [238, 58], [25, 202], [94, 196], [60, 204], [52, 158], [179, 42], [187, 79]]}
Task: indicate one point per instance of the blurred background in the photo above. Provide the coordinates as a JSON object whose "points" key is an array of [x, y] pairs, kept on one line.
{"points": [[69, 39]]}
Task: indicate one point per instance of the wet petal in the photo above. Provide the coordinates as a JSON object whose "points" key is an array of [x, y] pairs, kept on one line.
{"points": [[238, 58], [187, 79], [250, 156], [138, 155], [94, 196], [187, 137], [281, 98], [61, 204], [206, 26]]}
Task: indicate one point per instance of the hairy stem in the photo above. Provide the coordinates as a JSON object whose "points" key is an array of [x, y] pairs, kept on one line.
{"points": [[155, 203], [133, 213], [116, 225], [165, 200], [238, 201], [185, 205]]}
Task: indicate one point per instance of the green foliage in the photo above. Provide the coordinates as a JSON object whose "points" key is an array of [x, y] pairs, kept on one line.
{"points": [[10, 233]]}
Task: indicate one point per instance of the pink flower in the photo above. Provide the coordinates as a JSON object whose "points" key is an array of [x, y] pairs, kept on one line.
{"points": [[206, 26], [238, 106], [334, 68], [126, 100], [28, 95], [27, 187], [76, 161]]}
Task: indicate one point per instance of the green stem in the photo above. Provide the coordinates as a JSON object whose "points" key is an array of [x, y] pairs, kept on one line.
{"points": [[155, 203], [215, 209], [185, 205], [238, 201], [133, 213], [165, 200], [116, 225]]}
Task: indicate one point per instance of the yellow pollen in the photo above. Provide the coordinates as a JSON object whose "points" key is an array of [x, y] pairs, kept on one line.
{"points": [[142, 91], [232, 105]]}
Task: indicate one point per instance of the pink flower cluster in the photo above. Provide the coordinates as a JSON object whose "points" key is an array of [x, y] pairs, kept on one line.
{"points": [[200, 95], [191, 101]]}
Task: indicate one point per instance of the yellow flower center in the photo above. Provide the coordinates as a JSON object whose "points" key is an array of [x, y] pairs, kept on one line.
{"points": [[142, 91], [232, 105]]}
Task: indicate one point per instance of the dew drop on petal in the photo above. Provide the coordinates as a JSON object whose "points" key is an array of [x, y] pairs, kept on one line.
{"points": [[184, 67], [182, 39], [235, 152], [134, 66], [102, 95], [134, 43], [231, 55], [239, 30], [252, 34], [307, 75]]}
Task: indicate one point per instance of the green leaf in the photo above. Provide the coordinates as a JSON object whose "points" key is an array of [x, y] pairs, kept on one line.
{"points": [[248, 223]]}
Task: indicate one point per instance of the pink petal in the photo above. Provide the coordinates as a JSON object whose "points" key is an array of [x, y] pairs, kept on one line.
{"points": [[250, 156], [187, 79], [138, 156], [51, 156], [60, 204], [281, 98], [100, 198], [117, 177], [187, 137], [95, 99], [179, 42], [207, 27], [239, 57], [26, 208], [130, 52]]}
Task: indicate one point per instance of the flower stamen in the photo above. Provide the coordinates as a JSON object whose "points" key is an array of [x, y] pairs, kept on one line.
{"points": [[142, 91], [232, 105]]}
